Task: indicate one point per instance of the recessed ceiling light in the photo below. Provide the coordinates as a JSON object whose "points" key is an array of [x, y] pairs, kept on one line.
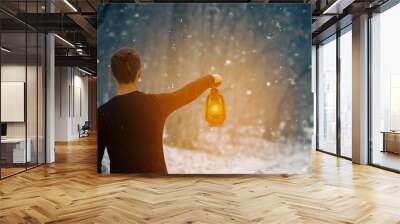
{"points": [[65, 41], [84, 71], [5, 50], [70, 5], [337, 7]]}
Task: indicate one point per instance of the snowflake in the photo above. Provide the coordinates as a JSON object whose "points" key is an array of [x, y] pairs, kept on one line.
{"points": [[278, 25]]}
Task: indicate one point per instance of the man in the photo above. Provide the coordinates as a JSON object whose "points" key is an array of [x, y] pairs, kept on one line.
{"points": [[131, 124]]}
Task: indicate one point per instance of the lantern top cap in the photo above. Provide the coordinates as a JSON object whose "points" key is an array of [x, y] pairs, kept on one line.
{"points": [[214, 90]]}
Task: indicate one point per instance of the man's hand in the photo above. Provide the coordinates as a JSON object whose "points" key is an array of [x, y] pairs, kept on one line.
{"points": [[217, 80]]}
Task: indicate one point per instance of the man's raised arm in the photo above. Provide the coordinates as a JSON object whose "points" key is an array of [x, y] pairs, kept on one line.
{"points": [[169, 102]]}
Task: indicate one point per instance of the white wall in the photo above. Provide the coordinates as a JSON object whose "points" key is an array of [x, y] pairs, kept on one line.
{"points": [[79, 117], [33, 127], [16, 73], [70, 83], [61, 103]]}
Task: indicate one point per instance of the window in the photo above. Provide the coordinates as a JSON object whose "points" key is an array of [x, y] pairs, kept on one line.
{"points": [[346, 93], [385, 89], [327, 96]]}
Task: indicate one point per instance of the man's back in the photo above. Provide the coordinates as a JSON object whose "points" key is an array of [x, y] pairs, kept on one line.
{"points": [[131, 127], [132, 124]]}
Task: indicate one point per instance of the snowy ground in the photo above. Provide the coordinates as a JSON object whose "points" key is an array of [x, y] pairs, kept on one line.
{"points": [[271, 159], [183, 161]]}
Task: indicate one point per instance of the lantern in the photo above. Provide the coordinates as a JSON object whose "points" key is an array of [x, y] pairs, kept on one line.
{"points": [[215, 108]]}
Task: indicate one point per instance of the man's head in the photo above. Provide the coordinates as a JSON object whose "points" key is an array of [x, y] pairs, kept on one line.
{"points": [[125, 65]]}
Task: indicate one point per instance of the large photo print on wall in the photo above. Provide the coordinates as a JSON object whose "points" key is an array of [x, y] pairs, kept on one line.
{"points": [[204, 88]]}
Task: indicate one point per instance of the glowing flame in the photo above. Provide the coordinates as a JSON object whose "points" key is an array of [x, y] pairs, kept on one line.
{"points": [[215, 109]]}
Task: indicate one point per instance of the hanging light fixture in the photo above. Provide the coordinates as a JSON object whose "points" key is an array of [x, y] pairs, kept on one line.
{"points": [[215, 108]]}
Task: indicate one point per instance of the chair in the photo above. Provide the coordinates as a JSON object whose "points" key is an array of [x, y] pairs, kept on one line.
{"points": [[84, 130]]}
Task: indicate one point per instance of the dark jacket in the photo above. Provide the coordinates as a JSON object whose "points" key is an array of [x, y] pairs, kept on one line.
{"points": [[131, 127]]}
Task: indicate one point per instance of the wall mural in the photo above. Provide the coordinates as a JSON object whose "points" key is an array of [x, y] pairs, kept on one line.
{"points": [[204, 88]]}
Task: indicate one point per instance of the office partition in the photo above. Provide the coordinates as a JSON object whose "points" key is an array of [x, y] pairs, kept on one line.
{"points": [[22, 78]]}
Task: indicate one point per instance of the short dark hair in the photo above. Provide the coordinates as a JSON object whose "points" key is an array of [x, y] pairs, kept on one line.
{"points": [[125, 65]]}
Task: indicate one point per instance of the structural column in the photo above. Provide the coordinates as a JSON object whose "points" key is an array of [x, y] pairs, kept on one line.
{"points": [[50, 92], [360, 90]]}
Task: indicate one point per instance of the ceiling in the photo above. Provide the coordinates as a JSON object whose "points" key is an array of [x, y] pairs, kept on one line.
{"points": [[74, 22]]}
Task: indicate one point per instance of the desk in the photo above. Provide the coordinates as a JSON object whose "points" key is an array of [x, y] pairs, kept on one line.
{"points": [[13, 150], [391, 141]]}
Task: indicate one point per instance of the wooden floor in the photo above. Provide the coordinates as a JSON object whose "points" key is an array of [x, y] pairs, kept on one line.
{"points": [[5, 172], [70, 191], [387, 159]]}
